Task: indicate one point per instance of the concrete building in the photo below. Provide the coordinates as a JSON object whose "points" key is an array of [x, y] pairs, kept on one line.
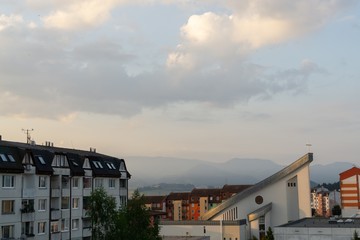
{"points": [[320, 202], [45, 189], [318, 229], [350, 191], [276, 200], [177, 206]]}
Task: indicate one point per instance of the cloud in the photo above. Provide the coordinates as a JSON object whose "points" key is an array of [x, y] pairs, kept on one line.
{"points": [[53, 73], [80, 14], [9, 21], [251, 25]]}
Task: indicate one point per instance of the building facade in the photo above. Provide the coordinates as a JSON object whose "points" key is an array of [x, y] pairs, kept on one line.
{"points": [[320, 202], [45, 190], [281, 198], [350, 191]]}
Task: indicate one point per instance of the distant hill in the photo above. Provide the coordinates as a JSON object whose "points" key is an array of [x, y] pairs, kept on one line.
{"points": [[148, 171]]}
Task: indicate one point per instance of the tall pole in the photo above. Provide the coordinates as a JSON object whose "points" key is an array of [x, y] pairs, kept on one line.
{"points": [[27, 132]]}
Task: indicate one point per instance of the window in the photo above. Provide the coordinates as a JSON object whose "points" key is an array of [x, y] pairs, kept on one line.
{"points": [[86, 203], [75, 182], [8, 206], [75, 203], [87, 182], [64, 224], [7, 231], [75, 224], [110, 165], [122, 166], [123, 200], [8, 181], [42, 181], [41, 227], [65, 203], [98, 183], [98, 164], [111, 183], [54, 227], [65, 181], [27, 228], [123, 183], [86, 163], [42, 205], [3, 157], [41, 159], [11, 158], [27, 205]]}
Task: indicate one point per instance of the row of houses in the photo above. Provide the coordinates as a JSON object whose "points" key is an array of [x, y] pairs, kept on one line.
{"points": [[180, 206], [44, 190]]}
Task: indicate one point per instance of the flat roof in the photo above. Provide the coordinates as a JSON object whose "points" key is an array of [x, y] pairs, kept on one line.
{"points": [[323, 223]]}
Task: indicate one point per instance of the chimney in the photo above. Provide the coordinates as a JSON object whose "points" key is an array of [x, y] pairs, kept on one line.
{"points": [[92, 149]]}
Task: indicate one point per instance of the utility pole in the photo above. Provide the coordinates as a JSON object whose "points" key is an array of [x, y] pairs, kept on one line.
{"points": [[28, 137]]}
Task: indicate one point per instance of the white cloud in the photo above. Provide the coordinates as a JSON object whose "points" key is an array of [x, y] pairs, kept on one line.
{"points": [[9, 21], [252, 24], [79, 14]]}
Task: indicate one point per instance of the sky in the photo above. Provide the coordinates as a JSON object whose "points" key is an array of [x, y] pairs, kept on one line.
{"points": [[205, 79]]}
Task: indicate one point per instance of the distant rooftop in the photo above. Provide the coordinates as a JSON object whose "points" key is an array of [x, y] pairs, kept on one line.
{"points": [[324, 223]]}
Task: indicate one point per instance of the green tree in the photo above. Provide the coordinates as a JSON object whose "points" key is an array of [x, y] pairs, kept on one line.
{"points": [[269, 234], [102, 211], [138, 220], [336, 210], [131, 222], [356, 236]]}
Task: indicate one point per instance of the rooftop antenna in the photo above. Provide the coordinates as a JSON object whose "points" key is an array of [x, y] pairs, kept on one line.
{"points": [[309, 146], [28, 137]]}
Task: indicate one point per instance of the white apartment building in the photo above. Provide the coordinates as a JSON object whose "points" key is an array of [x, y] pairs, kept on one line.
{"points": [[44, 190]]}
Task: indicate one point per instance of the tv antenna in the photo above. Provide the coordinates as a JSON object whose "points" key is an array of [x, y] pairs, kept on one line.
{"points": [[28, 137], [309, 146]]}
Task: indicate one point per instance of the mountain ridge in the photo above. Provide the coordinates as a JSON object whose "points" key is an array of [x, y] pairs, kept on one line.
{"points": [[147, 171]]}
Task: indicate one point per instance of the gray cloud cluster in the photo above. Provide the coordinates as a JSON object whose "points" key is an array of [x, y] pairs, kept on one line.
{"points": [[49, 73]]}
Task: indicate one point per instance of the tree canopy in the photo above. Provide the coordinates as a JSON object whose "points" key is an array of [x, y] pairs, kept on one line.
{"points": [[131, 222]]}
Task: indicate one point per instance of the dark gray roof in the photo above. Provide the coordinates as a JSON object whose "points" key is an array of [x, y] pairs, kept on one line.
{"points": [[47, 157], [324, 223], [306, 159], [12, 162], [76, 159]]}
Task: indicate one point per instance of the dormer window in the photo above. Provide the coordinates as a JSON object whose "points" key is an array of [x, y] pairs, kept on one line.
{"points": [[11, 158], [3, 157], [75, 163], [60, 161], [110, 165], [86, 163], [42, 161], [122, 166], [96, 164]]}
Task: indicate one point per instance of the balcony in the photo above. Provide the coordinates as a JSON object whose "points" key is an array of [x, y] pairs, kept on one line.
{"points": [[28, 193], [55, 214], [55, 192], [87, 232], [56, 235]]}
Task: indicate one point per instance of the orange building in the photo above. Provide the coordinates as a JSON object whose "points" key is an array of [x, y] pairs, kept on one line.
{"points": [[350, 193], [202, 200]]}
